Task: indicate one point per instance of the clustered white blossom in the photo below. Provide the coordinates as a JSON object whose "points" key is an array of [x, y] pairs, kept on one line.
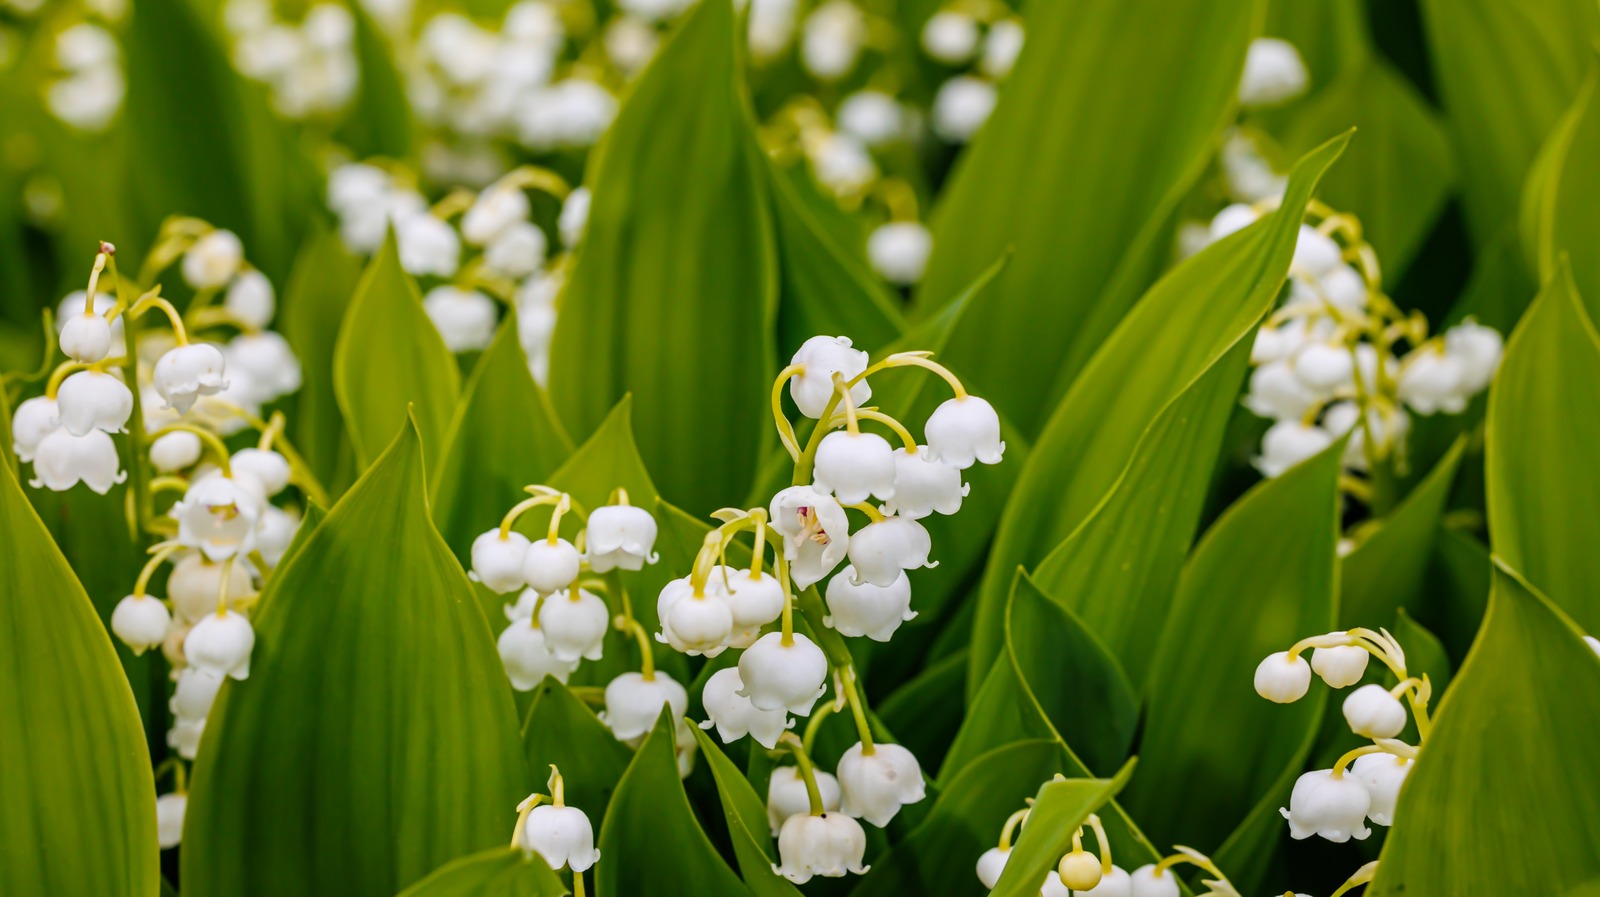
{"points": [[87, 87], [310, 67], [561, 835]]}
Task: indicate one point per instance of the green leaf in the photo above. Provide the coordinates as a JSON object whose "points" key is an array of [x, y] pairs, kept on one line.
{"points": [[376, 715], [561, 730], [673, 294], [922, 713], [1085, 156], [379, 120], [313, 308], [1514, 708], [79, 810], [498, 872], [390, 358], [1183, 325], [1460, 575], [504, 436], [1060, 809], [1331, 37], [1262, 578], [1543, 486], [1117, 571], [650, 841], [1559, 208], [1507, 70], [746, 815]]}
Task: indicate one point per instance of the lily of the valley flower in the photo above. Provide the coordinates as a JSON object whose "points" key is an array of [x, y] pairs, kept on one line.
{"points": [[787, 796], [563, 836], [1382, 774], [550, 565], [86, 338], [1326, 803], [962, 430], [574, 624], [213, 260], [924, 486], [855, 466], [1340, 665], [620, 537], [695, 623], [824, 356], [265, 467], [783, 676], [899, 251], [527, 658], [634, 702], [31, 422], [62, 460], [195, 693], [859, 608], [185, 373], [755, 600], [175, 451], [94, 400], [195, 582], [875, 784], [251, 299], [220, 643], [880, 551], [815, 530], [1372, 712], [218, 516], [497, 560], [734, 716], [831, 845], [170, 810], [140, 622], [1153, 881], [1282, 678], [1273, 73], [465, 318], [1288, 443]]}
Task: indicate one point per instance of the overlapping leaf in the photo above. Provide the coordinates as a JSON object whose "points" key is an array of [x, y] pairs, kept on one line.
{"points": [[561, 731], [498, 872], [1059, 810], [319, 291], [746, 816]]}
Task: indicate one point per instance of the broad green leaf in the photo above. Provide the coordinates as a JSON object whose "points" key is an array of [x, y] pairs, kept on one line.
{"points": [[79, 809], [1086, 154], [1331, 36], [673, 294], [313, 308], [1507, 70], [390, 358], [498, 872], [561, 730], [1262, 578], [504, 436], [1518, 707], [1458, 596], [8, 457], [1183, 325], [1117, 571], [376, 715], [1561, 199], [1543, 486], [1059, 810], [746, 815], [379, 120], [650, 841], [925, 713]]}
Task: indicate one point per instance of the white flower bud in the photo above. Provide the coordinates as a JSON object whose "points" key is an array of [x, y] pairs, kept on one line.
{"points": [[563, 836], [356, 185], [1287, 443], [755, 601], [250, 298], [1433, 380], [220, 643], [1341, 665], [1374, 713], [465, 318], [527, 658], [824, 356], [185, 373], [854, 466], [213, 260], [1233, 219], [899, 251], [31, 422], [518, 252], [275, 532], [1315, 253], [874, 786], [92, 400], [427, 245], [778, 676], [787, 795], [842, 164], [1478, 348], [879, 551], [266, 467], [990, 864], [620, 537], [831, 845], [962, 106], [1116, 883], [1387, 426], [1053, 886], [694, 624], [1323, 367], [862, 609], [633, 703], [1277, 393], [1382, 775], [86, 338], [816, 532], [218, 516], [1001, 47], [184, 737], [1080, 871], [550, 565], [962, 430], [1274, 73], [269, 362], [62, 460], [872, 117], [574, 624], [630, 42], [950, 37], [1283, 679], [495, 210], [832, 40], [195, 582], [195, 693], [497, 562], [175, 451], [1333, 807], [574, 217], [923, 486], [170, 809], [140, 621], [735, 717], [1344, 287], [1148, 881]]}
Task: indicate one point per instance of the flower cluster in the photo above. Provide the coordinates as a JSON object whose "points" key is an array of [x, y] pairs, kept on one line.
{"points": [[1336, 803], [88, 86], [311, 67]]}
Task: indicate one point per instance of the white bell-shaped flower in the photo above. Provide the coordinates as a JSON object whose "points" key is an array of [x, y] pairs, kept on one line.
{"points": [[1287, 443], [184, 737], [176, 451], [495, 210], [1001, 47], [194, 584], [266, 467], [620, 537], [563, 836], [842, 165], [991, 863], [465, 318], [574, 624], [1283, 679], [1382, 775], [816, 532], [1323, 367], [899, 251], [787, 795], [251, 299], [696, 624], [275, 533], [1054, 887], [518, 252], [963, 430], [1433, 380], [1315, 253], [754, 600], [735, 717], [523, 608], [550, 565], [874, 786], [1278, 343], [268, 361], [195, 693], [950, 37], [1232, 219], [1277, 393], [823, 357], [1344, 287], [220, 643], [1116, 883], [872, 117], [880, 551], [1149, 881], [1374, 713], [1340, 666], [783, 676], [140, 621], [213, 260], [831, 845], [62, 460], [170, 810], [218, 516], [71, 306], [854, 466], [94, 400], [1333, 807], [962, 107], [1387, 426], [527, 658], [858, 609], [1478, 348], [923, 486], [86, 338], [185, 373], [497, 561], [633, 703], [31, 422], [574, 217], [832, 39], [1273, 73], [427, 245]]}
